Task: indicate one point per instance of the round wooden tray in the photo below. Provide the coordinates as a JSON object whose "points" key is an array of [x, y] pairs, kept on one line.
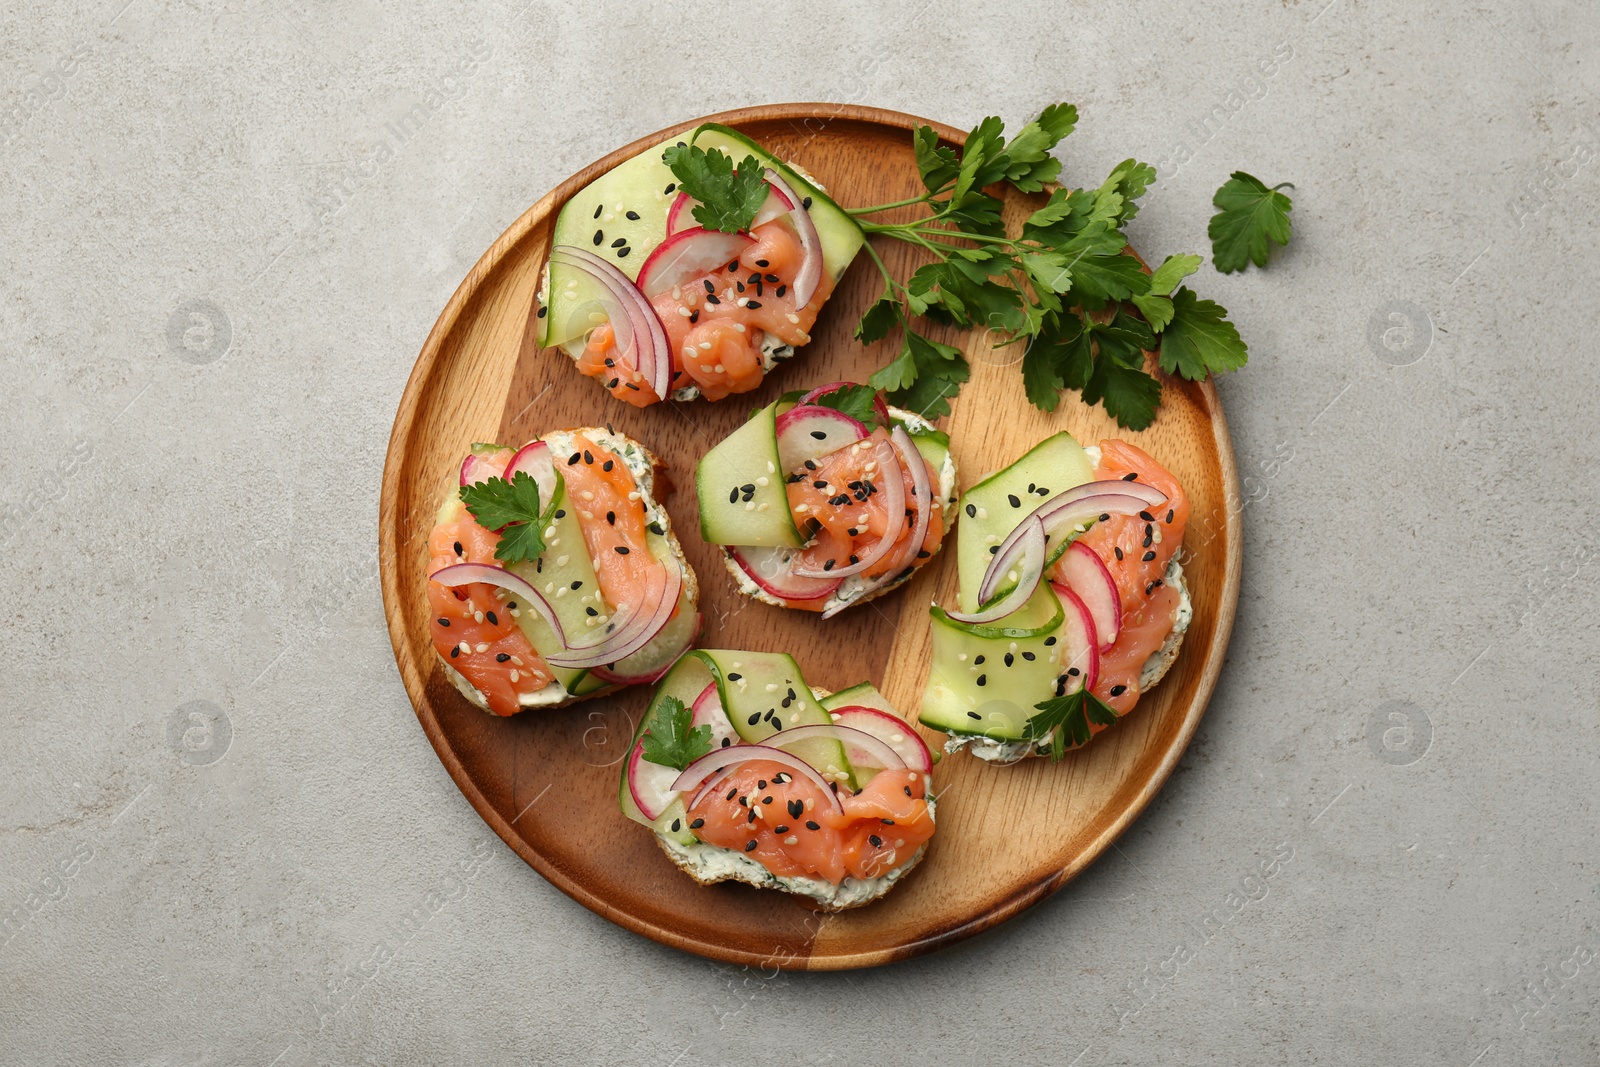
{"points": [[547, 781]]}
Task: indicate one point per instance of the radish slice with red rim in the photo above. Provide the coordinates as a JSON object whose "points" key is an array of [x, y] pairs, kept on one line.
{"points": [[708, 712], [894, 732], [772, 569], [534, 458], [809, 276], [647, 343], [921, 494], [459, 574], [1082, 654], [686, 255], [723, 759], [650, 783], [879, 408], [1021, 560], [1085, 573], [811, 432], [475, 469], [680, 216], [894, 502]]}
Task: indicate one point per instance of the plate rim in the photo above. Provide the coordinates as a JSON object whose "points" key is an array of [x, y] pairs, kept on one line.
{"points": [[428, 365]]}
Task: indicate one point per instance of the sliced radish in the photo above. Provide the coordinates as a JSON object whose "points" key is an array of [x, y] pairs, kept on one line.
{"points": [[649, 663], [680, 216], [1082, 654], [722, 759], [688, 254], [773, 570], [475, 469], [878, 406], [1085, 573], [894, 502], [874, 753], [892, 731], [650, 783], [810, 432], [708, 712], [810, 272], [459, 574], [534, 458]]}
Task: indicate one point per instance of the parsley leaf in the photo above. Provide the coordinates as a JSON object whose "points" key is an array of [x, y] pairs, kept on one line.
{"points": [[1199, 340], [1129, 394], [1251, 215], [879, 319], [1155, 305], [923, 377], [729, 198], [1068, 718], [855, 401], [512, 507], [669, 741]]}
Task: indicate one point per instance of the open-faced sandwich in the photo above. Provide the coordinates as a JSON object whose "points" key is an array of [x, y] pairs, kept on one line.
{"points": [[555, 576], [827, 499], [744, 773], [1072, 600], [651, 298]]}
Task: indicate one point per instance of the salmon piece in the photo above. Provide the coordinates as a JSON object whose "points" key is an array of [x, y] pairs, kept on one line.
{"points": [[473, 626], [715, 322], [841, 495], [1148, 604], [610, 511], [796, 833]]}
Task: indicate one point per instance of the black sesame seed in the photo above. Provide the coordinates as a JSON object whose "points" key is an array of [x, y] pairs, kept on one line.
{"points": [[819, 435], [444, 622], [1118, 551], [1073, 671], [733, 497], [972, 511], [983, 679], [1169, 516], [780, 829], [886, 822], [599, 236], [458, 548], [1131, 477], [1010, 660], [694, 316], [750, 846], [924, 554], [493, 619], [542, 311], [561, 513], [732, 793], [755, 717], [1146, 516], [608, 465], [1104, 517], [590, 612], [577, 585], [611, 518], [734, 677], [979, 660], [677, 824], [738, 286], [906, 789], [875, 840], [733, 265], [993, 549], [512, 604], [655, 528], [813, 825], [632, 216], [766, 800], [627, 385], [828, 565], [811, 465], [597, 209], [671, 185], [619, 242], [1015, 502], [752, 304], [1049, 641], [762, 784], [780, 291], [819, 484], [772, 277], [454, 652], [1148, 556], [1118, 690], [1028, 656], [697, 824], [712, 298], [621, 550], [806, 203]]}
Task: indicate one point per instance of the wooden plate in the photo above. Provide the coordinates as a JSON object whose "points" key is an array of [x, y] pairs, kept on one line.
{"points": [[547, 781]]}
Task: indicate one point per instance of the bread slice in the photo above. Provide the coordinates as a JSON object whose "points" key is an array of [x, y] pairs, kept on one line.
{"points": [[856, 589], [644, 466]]}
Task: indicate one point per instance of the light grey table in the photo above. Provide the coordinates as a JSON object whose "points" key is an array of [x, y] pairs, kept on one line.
{"points": [[223, 837]]}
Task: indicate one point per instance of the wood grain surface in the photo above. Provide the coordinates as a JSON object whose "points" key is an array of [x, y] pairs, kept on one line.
{"points": [[547, 781]]}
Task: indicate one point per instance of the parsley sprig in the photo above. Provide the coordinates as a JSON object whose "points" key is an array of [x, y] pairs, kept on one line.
{"points": [[1065, 286], [855, 401], [1068, 717], [512, 507], [729, 196], [669, 740], [1251, 215]]}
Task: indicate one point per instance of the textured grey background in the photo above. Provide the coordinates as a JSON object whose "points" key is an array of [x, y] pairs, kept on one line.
{"points": [[224, 839]]}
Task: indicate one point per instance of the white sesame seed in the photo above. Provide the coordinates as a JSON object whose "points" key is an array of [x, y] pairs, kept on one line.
{"points": [[719, 368], [771, 469], [983, 513], [762, 506], [762, 480], [561, 592], [517, 660], [482, 647], [685, 312], [791, 840], [739, 326], [750, 506], [465, 647], [561, 561], [516, 676], [772, 687], [792, 317], [705, 346], [477, 616], [587, 495]]}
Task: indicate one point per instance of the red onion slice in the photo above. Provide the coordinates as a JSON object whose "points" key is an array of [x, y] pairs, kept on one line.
{"points": [[880, 754], [810, 272], [727, 758], [1025, 553], [921, 494], [644, 623], [894, 491], [652, 358], [534, 458], [458, 574]]}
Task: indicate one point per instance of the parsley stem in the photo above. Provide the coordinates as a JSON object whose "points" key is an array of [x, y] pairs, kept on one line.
{"points": [[909, 201]]}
